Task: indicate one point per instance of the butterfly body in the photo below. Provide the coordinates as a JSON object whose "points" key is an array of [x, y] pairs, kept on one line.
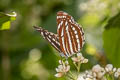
{"points": [[69, 38]]}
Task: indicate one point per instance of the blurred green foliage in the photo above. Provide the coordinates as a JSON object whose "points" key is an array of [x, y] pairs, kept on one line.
{"points": [[24, 55], [111, 37], [5, 20]]}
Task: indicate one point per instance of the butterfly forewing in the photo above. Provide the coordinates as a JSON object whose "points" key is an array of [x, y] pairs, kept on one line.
{"points": [[50, 37], [71, 36]]}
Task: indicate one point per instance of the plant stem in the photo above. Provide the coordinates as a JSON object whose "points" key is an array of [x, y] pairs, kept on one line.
{"points": [[78, 68], [109, 77], [112, 77], [78, 65], [72, 75]]}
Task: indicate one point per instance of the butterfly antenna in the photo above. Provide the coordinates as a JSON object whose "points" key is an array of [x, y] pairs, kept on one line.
{"points": [[37, 28]]}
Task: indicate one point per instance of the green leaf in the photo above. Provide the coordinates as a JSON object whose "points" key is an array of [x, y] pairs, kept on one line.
{"points": [[113, 22], [111, 39], [5, 20]]}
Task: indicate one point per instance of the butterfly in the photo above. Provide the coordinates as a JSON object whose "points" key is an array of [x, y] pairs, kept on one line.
{"points": [[69, 39]]}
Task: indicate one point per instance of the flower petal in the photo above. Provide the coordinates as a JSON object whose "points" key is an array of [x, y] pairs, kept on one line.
{"points": [[59, 75]]}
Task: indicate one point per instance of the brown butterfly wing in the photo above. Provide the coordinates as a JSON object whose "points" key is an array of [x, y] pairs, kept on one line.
{"points": [[71, 35], [50, 37]]}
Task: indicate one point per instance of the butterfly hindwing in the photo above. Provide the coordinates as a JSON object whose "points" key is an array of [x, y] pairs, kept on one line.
{"points": [[71, 35]]}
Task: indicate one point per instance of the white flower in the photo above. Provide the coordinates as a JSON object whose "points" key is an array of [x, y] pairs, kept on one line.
{"points": [[98, 71], [62, 69], [60, 61], [109, 68], [89, 76], [59, 75], [89, 79], [79, 58], [85, 61], [117, 73]]}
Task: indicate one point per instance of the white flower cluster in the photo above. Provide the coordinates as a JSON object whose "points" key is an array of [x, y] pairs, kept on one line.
{"points": [[117, 73], [98, 72], [110, 69], [79, 58], [62, 69]]}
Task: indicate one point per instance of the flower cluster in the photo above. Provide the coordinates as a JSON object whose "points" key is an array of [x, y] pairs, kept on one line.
{"points": [[79, 58], [117, 73], [62, 69], [96, 73], [99, 73], [110, 69]]}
